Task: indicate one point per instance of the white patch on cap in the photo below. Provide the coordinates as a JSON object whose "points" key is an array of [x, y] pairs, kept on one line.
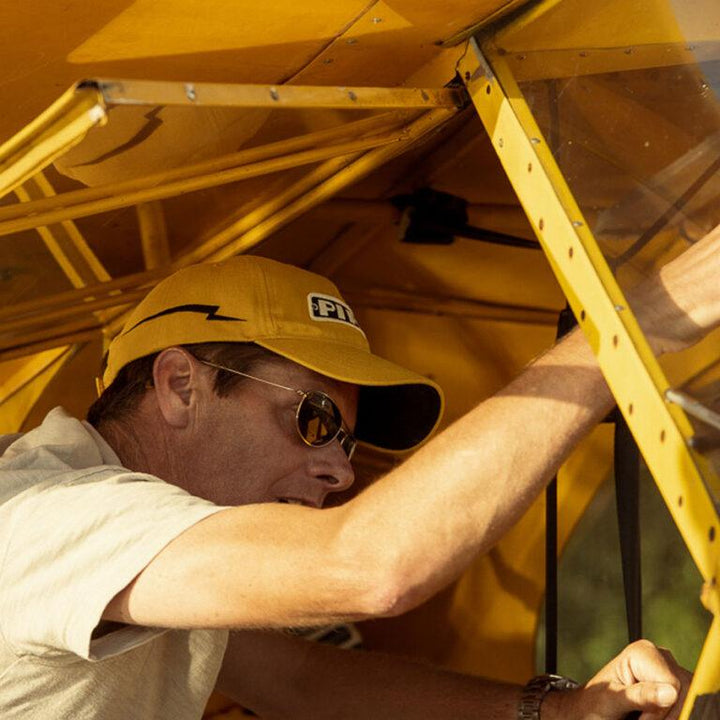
{"points": [[326, 308]]}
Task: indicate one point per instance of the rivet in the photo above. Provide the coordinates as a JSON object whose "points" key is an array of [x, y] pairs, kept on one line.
{"points": [[501, 143], [529, 167], [571, 252], [630, 409], [424, 95], [582, 315], [662, 440], [352, 95], [577, 223], [351, 41], [190, 93], [541, 224], [377, 20], [680, 501], [488, 89], [615, 341], [711, 534], [535, 141], [274, 93]]}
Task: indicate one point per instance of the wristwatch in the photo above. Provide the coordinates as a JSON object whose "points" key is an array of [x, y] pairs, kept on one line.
{"points": [[534, 692]]}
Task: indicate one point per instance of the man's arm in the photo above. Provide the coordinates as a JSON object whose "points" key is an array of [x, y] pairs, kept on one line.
{"points": [[278, 676], [397, 543], [416, 529]]}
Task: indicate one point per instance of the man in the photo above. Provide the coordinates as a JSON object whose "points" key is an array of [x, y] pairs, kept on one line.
{"points": [[192, 507]]}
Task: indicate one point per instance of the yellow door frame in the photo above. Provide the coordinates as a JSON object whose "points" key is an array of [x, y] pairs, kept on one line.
{"points": [[662, 430]]}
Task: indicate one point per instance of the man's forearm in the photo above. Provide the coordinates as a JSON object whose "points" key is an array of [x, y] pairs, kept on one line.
{"points": [[278, 676], [459, 494]]}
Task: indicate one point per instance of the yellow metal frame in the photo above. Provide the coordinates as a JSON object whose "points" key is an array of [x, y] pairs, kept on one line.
{"points": [[637, 381], [65, 242], [337, 156], [54, 132], [91, 201], [150, 92]]}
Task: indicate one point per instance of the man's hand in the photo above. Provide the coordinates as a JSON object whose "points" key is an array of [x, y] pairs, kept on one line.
{"points": [[642, 677]]}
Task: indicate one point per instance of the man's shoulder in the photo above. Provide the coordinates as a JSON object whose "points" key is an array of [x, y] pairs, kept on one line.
{"points": [[59, 440], [61, 449]]}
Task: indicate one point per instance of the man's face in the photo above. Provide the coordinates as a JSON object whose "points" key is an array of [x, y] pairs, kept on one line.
{"points": [[246, 447]]}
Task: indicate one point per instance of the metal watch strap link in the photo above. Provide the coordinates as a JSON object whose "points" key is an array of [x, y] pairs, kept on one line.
{"points": [[536, 689]]}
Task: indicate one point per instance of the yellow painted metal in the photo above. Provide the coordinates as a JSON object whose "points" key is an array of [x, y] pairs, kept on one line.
{"points": [[170, 28], [71, 315], [707, 673], [22, 383], [64, 241], [490, 20], [153, 234], [572, 24], [60, 127], [148, 92], [265, 210], [384, 299], [234, 242], [76, 204], [67, 317], [632, 371], [78, 297], [353, 130]]}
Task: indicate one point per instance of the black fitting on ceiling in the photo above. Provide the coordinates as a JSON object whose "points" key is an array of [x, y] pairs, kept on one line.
{"points": [[431, 217]]}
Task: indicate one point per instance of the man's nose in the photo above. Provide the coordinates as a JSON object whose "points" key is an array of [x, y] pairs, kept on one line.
{"points": [[334, 469]]}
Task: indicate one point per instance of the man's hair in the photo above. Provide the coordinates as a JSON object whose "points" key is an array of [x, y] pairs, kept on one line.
{"points": [[122, 398]]}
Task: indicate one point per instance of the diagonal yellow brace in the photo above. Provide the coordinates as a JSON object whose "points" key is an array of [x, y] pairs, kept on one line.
{"points": [[51, 134]]}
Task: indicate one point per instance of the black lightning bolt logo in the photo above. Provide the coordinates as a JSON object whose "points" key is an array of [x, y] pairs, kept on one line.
{"points": [[210, 312]]}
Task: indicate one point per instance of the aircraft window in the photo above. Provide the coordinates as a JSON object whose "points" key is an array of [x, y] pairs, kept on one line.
{"points": [[626, 95], [631, 112]]}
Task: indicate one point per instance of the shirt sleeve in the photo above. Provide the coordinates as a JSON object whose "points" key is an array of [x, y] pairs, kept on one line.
{"points": [[72, 545]]}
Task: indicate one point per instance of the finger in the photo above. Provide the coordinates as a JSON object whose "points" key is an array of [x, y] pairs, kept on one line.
{"points": [[644, 661], [652, 697]]}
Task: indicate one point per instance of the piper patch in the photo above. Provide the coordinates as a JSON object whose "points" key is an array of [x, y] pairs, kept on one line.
{"points": [[326, 308]]}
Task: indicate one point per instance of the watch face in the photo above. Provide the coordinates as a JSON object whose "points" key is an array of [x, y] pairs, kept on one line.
{"points": [[560, 682], [534, 692]]}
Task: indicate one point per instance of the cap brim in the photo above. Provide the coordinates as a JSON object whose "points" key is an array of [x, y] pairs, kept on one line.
{"points": [[397, 408]]}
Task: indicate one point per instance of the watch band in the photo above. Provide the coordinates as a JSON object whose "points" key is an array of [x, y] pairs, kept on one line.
{"points": [[536, 689]]}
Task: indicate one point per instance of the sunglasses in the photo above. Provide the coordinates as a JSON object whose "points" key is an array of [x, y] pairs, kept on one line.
{"points": [[317, 418]]}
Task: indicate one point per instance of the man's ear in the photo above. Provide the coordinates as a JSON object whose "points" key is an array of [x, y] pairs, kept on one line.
{"points": [[176, 378]]}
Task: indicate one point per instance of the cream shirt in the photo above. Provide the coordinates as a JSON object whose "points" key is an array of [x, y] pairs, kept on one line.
{"points": [[76, 528]]}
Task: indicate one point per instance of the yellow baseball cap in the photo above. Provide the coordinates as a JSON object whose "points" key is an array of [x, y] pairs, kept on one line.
{"points": [[294, 313]]}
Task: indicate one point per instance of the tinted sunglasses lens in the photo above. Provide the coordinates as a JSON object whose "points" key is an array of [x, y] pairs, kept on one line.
{"points": [[318, 419]]}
